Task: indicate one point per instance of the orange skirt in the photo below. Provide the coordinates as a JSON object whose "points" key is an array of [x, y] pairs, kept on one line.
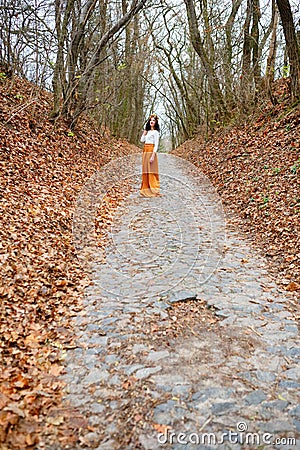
{"points": [[150, 178]]}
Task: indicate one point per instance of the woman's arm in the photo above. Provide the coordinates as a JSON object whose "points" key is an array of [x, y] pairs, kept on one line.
{"points": [[156, 140], [143, 138]]}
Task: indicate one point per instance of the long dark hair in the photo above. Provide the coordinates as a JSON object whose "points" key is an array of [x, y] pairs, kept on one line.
{"points": [[156, 126]]}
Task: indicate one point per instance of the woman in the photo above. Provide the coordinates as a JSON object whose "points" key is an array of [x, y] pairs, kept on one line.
{"points": [[150, 179]]}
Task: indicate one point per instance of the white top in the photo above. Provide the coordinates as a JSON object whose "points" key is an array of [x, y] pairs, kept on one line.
{"points": [[152, 137]]}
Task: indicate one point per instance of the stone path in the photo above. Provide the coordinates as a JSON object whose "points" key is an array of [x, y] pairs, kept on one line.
{"points": [[233, 385]]}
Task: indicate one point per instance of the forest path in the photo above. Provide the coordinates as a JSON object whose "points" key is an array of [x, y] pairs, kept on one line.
{"points": [[183, 330]]}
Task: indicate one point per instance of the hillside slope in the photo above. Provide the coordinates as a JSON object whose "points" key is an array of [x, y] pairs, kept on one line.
{"points": [[255, 168], [42, 170]]}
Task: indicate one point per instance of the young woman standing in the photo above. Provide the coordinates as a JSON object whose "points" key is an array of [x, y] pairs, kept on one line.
{"points": [[150, 179]]}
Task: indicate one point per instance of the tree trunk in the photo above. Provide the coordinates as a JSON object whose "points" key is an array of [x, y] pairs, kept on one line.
{"points": [[292, 46], [228, 67], [246, 77], [59, 81], [255, 41], [209, 70], [272, 55]]}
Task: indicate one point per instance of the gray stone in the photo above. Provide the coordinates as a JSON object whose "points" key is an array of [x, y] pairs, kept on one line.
{"points": [[156, 356], [79, 400], [138, 348], [168, 380], [293, 353], [114, 380], [295, 412], [229, 321], [95, 420], [182, 296], [213, 393], [114, 404], [276, 349], [109, 321], [276, 404], [287, 384], [110, 359], [148, 442], [265, 377], [292, 329], [225, 446], [92, 439], [132, 309], [96, 376], [129, 370], [181, 390], [98, 340], [222, 408], [74, 388], [167, 406], [249, 308], [96, 408], [146, 372], [163, 306], [292, 374], [163, 418], [224, 313], [92, 327], [255, 397], [93, 351], [276, 426], [297, 426], [247, 376], [107, 445]]}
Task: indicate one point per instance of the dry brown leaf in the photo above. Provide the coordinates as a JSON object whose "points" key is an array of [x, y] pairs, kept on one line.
{"points": [[292, 286], [13, 407], [161, 428], [56, 370]]}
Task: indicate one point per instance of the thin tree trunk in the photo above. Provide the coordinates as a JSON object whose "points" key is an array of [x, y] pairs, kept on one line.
{"points": [[58, 82], [272, 54], [292, 46], [199, 48], [255, 47], [228, 32], [246, 61]]}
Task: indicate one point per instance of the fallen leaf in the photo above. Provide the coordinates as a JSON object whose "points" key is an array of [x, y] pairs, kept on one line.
{"points": [[292, 286], [161, 428], [13, 407]]}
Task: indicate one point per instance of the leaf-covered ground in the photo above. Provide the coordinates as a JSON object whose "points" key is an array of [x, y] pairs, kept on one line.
{"points": [[255, 168], [43, 168]]}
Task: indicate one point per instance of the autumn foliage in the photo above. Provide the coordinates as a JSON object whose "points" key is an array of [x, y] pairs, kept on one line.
{"points": [[43, 168]]}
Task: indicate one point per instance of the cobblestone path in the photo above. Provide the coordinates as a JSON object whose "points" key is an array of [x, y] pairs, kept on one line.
{"points": [[231, 385]]}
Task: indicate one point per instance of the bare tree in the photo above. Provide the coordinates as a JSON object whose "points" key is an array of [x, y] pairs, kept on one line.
{"points": [[76, 63], [26, 38]]}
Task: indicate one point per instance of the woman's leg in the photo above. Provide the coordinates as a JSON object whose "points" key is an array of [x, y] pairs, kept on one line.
{"points": [[150, 178]]}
